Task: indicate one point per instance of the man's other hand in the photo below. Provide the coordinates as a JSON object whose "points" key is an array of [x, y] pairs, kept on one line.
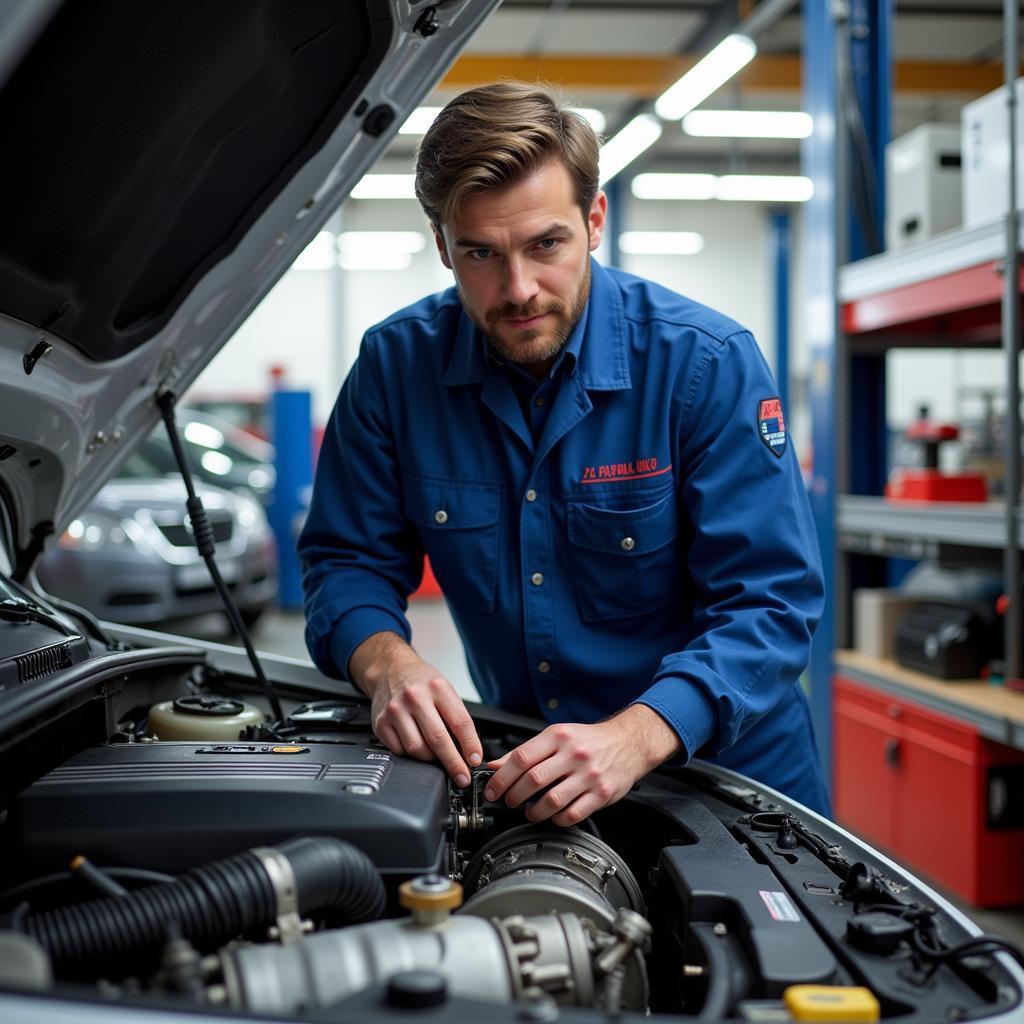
{"points": [[414, 710], [582, 768]]}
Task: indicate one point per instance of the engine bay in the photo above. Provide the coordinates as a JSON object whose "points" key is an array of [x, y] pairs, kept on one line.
{"points": [[164, 839]]}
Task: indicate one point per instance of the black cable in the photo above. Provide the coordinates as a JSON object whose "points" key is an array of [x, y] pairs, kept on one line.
{"points": [[202, 533], [66, 877]]}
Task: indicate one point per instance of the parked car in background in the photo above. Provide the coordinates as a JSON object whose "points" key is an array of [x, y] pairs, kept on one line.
{"points": [[130, 556], [218, 452]]}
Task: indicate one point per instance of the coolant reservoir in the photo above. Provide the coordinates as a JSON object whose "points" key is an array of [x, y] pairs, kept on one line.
{"points": [[203, 716]]}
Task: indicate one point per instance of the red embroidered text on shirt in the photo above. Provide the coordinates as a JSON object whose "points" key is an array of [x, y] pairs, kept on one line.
{"points": [[623, 471]]}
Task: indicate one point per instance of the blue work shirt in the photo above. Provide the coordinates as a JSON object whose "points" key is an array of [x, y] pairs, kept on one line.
{"points": [[654, 544]]}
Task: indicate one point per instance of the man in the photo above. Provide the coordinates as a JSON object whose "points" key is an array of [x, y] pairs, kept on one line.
{"points": [[599, 472]]}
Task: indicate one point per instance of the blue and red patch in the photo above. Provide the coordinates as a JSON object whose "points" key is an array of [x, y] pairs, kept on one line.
{"points": [[771, 425]]}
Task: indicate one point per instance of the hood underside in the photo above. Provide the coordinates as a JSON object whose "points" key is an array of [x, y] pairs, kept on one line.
{"points": [[165, 164], [150, 137]]}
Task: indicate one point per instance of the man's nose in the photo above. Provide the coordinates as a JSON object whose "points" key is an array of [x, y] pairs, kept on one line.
{"points": [[520, 285]]}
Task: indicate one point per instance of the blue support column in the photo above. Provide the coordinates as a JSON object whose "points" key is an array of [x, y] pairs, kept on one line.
{"points": [[616, 218], [780, 244], [848, 437], [292, 437], [819, 243]]}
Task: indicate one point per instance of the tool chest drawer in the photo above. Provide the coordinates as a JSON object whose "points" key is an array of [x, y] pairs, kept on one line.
{"points": [[932, 791]]}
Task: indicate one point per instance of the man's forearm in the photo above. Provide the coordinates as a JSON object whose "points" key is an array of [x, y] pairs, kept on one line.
{"points": [[653, 738], [375, 657]]}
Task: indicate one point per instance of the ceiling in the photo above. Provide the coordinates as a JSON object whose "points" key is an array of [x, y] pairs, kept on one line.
{"points": [[618, 55]]}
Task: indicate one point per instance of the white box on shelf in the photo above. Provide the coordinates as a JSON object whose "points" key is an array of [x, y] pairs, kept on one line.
{"points": [[922, 180], [877, 611], [984, 125]]}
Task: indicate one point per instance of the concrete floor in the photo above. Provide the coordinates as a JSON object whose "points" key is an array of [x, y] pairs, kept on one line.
{"points": [[435, 638]]}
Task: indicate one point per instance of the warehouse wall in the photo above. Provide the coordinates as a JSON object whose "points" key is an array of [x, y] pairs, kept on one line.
{"points": [[312, 321]]}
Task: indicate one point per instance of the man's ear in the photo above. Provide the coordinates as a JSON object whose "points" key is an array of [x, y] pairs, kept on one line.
{"points": [[596, 219], [442, 250]]}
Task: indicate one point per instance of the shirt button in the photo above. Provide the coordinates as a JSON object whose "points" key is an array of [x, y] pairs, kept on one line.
{"points": [[544, 667], [553, 703], [531, 495], [537, 579], [628, 543], [440, 517], [539, 401]]}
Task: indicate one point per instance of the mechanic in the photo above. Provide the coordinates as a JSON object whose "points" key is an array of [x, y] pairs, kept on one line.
{"points": [[600, 473]]}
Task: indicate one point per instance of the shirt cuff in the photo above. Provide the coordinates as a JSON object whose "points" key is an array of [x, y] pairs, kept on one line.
{"points": [[359, 625], [686, 710]]}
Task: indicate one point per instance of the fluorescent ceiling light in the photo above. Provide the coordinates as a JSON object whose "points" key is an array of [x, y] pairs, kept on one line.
{"points": [[381, 241], [621, 150], [711, 72], [674, 186], [374, 260], [385, 186], [419, 121], [758, 188], [765, 188], [661, 243], [748, 124], [320, 254], [217, 462], [593, 117]]}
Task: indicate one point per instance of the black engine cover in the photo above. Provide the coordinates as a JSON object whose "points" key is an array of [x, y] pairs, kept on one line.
{"points": [[171, 806]]}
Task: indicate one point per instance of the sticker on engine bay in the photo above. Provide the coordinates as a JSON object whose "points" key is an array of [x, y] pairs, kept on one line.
{"points": [[779, 906], [771, 425]]}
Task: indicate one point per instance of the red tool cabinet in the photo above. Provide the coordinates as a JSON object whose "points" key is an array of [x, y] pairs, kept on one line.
{"points": [[931, 791]]}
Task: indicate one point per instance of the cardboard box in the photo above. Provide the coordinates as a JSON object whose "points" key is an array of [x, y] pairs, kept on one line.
{"points": [[877, 612]]}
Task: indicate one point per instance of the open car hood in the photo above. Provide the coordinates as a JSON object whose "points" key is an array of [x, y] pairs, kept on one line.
{"points": [[165, 164]]}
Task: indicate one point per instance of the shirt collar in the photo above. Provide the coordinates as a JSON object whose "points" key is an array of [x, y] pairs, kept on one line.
{"points": [[597, 344]]}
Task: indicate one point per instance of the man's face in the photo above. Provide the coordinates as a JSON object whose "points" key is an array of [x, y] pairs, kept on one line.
{"points": [[520, 256]]}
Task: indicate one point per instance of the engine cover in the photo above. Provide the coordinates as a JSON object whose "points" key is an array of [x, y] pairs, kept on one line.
{"points": [[171, 806]]}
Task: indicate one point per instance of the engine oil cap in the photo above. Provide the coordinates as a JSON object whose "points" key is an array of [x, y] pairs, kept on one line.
{"points": [[832, 1003], [429, 893], [417, 990]]}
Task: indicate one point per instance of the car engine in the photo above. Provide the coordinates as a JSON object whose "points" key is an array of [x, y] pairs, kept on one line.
{"points": [[163, 839]]}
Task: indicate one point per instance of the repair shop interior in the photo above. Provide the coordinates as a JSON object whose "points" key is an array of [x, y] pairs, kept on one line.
{"points": [[511, 509]]}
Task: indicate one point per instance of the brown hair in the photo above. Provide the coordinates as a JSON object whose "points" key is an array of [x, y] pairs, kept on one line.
{"points": [[493, 136]]}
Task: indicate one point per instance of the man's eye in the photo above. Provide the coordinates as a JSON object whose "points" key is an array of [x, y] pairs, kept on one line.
{"points": [[548, 244], [479, 254]]}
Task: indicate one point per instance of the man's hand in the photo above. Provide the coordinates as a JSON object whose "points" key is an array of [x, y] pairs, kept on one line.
{"points": [[585, 766], [414, 710]]}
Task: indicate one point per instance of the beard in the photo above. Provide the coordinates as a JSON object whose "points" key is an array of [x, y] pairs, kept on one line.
{"points": [[522, 350]]}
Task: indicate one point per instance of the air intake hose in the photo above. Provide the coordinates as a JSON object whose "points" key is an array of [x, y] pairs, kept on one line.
{"points": [[211, 904]]}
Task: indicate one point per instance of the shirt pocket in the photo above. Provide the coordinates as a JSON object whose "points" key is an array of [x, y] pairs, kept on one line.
{"points": [[624, 560], [460, 524]]}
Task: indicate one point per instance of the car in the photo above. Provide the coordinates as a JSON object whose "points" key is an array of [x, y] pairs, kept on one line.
{"points": [[192, 831], [218, 452], [131, 555]]}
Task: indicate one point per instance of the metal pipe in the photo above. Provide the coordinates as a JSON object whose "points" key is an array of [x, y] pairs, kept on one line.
{"points": [[1011, 351], [764, 15]]}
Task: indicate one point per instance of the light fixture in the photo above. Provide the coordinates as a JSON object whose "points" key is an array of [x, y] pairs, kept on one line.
{"points": [[757, 188], [593, 117], [709, 73], [320, 254], [419, 121], [622, 149], [748, 124], [765, 188], [661, 243], [374, 260], [674, 186], [385, 186], [381, 241]]}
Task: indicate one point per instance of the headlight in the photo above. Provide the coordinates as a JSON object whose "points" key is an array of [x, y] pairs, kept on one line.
{"points": [[95, 530], [250, 515]]}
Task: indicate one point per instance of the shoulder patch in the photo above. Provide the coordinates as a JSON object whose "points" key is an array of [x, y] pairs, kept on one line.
{"points": [[771, 425]]}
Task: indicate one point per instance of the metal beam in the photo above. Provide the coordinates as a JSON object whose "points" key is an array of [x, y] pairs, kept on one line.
{"points": [[645, 77]]}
